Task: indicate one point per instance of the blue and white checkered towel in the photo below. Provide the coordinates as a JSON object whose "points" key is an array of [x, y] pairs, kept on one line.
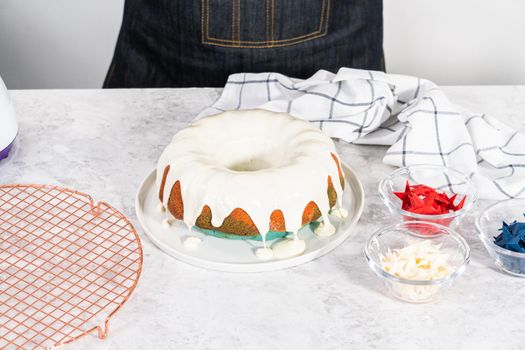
{"points": [[409, 114]]}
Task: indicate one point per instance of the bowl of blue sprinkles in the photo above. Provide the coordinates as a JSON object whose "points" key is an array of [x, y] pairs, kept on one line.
{"points": [[501, 228]]}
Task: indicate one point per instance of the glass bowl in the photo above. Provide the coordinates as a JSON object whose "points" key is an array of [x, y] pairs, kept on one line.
{"points": [[488, 224], [438, 177], [402, 234]]}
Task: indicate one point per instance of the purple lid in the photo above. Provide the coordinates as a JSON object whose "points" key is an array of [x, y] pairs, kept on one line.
{"points": [[5, 152]]}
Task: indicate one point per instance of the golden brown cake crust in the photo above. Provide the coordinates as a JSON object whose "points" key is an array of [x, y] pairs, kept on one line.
{"points": [[175, 204], [163, 182]]}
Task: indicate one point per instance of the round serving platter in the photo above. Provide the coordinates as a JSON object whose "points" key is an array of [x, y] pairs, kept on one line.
{"points": [[239, 255]]}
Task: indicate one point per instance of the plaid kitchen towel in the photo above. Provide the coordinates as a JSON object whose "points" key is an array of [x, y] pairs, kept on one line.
{"points": [[409, 114]]}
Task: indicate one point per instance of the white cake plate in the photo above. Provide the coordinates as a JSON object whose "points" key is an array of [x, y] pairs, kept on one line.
{"points": [[239, 255]]}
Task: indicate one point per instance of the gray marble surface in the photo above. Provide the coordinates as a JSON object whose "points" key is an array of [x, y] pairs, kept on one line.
{"points": [[105, 142]]}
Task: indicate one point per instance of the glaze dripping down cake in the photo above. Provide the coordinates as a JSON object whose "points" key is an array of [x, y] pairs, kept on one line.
{"points": [[250, 174]]}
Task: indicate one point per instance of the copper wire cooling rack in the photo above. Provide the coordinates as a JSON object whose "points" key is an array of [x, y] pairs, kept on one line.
{"points": [[67, 264]]}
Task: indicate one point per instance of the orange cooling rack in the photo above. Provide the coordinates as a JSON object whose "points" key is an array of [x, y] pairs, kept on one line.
{"points": [[67, 265]]}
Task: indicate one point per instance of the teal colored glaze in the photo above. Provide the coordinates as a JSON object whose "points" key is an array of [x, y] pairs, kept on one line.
{"points": [[271, 235]]}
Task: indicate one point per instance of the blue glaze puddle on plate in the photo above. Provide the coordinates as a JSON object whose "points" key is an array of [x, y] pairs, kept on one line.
{"points": [[271, 235]]}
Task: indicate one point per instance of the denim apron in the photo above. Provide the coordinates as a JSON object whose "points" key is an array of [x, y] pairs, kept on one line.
{"points": [[183, 43]]}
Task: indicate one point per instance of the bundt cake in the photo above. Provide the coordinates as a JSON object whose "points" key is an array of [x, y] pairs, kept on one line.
{"points": [[250, 174]]}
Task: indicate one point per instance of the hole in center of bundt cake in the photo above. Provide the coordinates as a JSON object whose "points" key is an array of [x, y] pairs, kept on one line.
{"points": [[250, 164]]}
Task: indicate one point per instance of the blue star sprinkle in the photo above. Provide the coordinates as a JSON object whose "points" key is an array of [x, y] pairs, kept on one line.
{"points": [[512, 237]]}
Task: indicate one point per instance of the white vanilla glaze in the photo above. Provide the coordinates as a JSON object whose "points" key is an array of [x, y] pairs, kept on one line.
{"points": [[256, 160], [288, 247], [323, 230], [161, 208], [340, 213], [192, 242], [166, 223], [264, 253]]}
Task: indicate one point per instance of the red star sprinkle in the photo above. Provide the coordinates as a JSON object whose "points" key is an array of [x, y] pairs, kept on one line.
{"points": [[421, 199]]}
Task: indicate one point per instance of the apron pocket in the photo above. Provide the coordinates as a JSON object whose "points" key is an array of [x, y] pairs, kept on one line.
{"points": [[262, 23]]}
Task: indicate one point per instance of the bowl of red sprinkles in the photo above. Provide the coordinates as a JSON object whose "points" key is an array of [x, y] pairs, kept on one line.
{"points": [[429, 193]]}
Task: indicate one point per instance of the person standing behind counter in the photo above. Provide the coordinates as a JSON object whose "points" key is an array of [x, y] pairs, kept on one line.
{"points": [[198, 43]]}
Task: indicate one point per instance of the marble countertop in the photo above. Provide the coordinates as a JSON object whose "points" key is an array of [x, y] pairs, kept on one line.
{"points": [[104, 142]]}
